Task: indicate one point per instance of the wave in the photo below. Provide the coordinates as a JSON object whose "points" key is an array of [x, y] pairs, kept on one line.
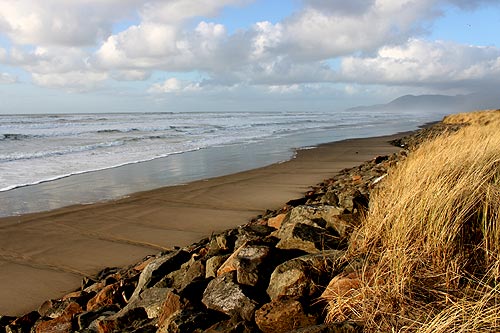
{"points": [[14, 137], [79, 149], [49, 179], [111, 131]]}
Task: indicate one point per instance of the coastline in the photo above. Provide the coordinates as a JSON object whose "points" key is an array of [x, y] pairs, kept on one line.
{"points": [[45, 255]]}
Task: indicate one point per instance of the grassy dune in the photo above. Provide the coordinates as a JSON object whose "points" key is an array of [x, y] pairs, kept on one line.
{"points": [[430, 243]]}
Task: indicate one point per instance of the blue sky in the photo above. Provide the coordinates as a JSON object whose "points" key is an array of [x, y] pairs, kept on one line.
{"points": [[243, 55]]}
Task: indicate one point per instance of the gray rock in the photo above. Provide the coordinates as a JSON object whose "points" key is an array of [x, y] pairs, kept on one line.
{"points": [[222, 243], [158, 268], [122, 321], [190, 272], [303, 276], [309, 238], [85, 319], [305, 229], [250, 258], [213, 264], [252, 232], [224, 295], [151, 300]]}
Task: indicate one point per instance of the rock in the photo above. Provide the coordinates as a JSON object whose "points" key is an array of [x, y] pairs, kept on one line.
{"points": [[275, 222], [5, 321], [282, 316], [343, 327], [245, 261], [357, 178], [304, 229], [23, 323], [61, 324], [249, 258], [213, 264], [151, 300], [222, 243], [224, 295], [85, 319], [297, 202], [308, 238], [252, 232], [302, 276], [140, 266], [170, 307], [342, 225], [158, 268], [229, 326], [135, 318], [231, 263], [106, 296], [342, 285], [330, 198], [189, 272], [187, 321]]}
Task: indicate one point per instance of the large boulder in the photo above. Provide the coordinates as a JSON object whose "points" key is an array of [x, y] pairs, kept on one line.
{"points": [[246, 261], [158, 268], [306, 228], [303, 276], [151, 300], [61, 324], [224, 295]]}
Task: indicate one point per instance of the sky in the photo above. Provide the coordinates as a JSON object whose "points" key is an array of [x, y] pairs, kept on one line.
{"points": [[61, 56]]}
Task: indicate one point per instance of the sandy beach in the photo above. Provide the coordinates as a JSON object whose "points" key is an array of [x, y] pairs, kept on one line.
{"points": [[45, 255]]}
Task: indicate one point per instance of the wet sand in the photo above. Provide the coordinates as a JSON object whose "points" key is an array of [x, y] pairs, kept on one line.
{"points": [[45, 255]]}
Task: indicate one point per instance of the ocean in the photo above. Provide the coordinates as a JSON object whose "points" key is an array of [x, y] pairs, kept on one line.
{"points": [[43, 154]]}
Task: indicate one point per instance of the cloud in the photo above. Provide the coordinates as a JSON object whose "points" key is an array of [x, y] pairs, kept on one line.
{"points": [[421, 62], [174, 85], [6, 78], [74, 81], [471, 4], [59, 42], [58, 22], [131, 75], [177, 11], [352, 7], [58, 67]]}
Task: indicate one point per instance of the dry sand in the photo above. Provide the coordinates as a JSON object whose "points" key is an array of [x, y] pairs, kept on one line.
{"points": [[45, 255]]}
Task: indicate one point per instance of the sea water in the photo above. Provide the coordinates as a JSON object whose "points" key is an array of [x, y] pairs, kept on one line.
{"points": [[36, 149]]}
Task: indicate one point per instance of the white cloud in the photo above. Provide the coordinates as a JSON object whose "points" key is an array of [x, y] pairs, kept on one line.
{"points": [[3, 54], [131, 75], [174, 85], [60, 41], [285, 89], [6, 78], [49, 60], [175, 11], [420, 62], [59, 22], [75, 81]]}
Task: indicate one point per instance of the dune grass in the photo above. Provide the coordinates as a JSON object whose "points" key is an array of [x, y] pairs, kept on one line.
{"points": [[431, 238]]}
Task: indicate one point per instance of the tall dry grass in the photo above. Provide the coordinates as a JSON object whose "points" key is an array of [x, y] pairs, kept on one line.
{"points": [[431, 238]]}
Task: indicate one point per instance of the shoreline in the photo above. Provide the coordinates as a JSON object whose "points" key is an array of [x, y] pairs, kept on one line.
{"points": [[45, 255]]}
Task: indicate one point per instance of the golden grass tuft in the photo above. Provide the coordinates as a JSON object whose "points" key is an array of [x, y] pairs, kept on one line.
{"points": [[481, 118], [431, 238]]}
